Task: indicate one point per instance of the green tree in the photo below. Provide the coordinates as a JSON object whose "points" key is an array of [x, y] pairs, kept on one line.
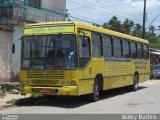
{"points": [[137, 30], [115, 24], [154, 42], [128, 25], [105, 25], [152, 30], [95, 24]]}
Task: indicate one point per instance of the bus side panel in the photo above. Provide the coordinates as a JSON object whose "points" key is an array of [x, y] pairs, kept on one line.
{"points": [[86, 77], [125, 69], [95, 67], [109, 71], [143, 69], [85, 87], [85, 84], [116, 75], [147, 71]]}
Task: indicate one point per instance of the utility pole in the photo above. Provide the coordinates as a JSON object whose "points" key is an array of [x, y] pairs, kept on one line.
{"points": [[144, 20]]}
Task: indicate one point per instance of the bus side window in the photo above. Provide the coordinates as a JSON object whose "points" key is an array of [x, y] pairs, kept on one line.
{"points": [[133, 50], [126, 49], [139, 51], [117, 47], [146, 51], [107, 46], [84, 51], [96, 46]]}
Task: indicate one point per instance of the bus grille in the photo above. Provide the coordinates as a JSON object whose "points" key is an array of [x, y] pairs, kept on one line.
{"points": [[44, 82], [51, 75]]}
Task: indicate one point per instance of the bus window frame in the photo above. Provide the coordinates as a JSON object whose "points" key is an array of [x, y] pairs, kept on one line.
{"points": [[90, 53], [100, 47], [135, 43], [113, 44], [77, 51], [145, 52], [141, 46], [129, 48]]}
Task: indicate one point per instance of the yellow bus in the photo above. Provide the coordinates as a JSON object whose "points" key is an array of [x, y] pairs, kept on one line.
{"points": [[74, 58]]}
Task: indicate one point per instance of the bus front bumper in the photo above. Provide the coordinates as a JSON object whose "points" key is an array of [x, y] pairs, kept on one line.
{"points": [[65, 90]]}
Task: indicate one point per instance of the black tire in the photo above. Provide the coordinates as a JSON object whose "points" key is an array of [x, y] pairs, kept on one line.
{"points": [[95, 95], [134, 87]]}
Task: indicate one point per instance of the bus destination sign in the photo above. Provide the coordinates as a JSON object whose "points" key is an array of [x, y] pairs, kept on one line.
{"points": [[32, 30]]}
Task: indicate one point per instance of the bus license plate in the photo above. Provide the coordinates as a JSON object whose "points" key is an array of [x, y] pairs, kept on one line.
{"points": [[44, 90]]}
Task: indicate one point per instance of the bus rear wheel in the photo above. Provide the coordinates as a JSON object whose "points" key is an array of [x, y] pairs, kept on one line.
{"points": [[134, 87], [95, 95]]}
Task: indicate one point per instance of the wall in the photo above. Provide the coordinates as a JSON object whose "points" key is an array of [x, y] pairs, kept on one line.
{"points": [[5, 55], [16, 57], [55, 5], [10, 63]]}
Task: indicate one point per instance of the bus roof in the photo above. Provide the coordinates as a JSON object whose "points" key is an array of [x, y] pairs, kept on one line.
{"points": [[89, 27]]}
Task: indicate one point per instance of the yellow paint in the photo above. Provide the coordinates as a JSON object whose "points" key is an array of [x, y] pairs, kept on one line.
{"points": [[65, 90], [49, 30], [115, 74]]}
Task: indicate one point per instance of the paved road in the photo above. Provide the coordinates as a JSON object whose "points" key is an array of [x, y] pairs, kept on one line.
{"points": [[145, 100]]}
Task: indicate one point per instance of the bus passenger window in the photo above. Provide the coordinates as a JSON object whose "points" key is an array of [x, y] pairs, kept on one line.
{"points": [[96, 46], [107, 46], [133, 50], [139, 51], [84, 51], [117, 47], [146, 51], [126, 53]]}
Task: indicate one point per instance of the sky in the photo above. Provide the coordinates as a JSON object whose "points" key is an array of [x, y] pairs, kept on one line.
{"points": [[100, 11]]}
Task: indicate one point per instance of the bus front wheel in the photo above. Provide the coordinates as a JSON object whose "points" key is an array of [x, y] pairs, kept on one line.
{"points": [[134, 87], [95, 95]]}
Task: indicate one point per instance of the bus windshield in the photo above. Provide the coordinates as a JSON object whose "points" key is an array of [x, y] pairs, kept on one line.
{"points": [[49, 52]]}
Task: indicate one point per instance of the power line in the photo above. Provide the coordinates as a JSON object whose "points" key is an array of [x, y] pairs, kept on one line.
{"points": [[84, 16], [80, 19], [79, 12], [102, 8], [153, 21], [104, 11], [106, 5], [90, 18]]}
